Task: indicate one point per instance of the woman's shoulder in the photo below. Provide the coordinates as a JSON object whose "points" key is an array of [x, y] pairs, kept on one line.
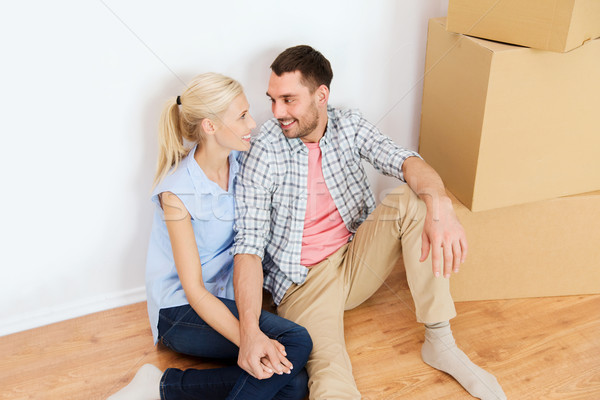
{"points": [[177, 180]]}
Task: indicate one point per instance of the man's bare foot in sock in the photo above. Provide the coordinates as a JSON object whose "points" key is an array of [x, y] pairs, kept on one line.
{"points": [[440, 351], [145, 385]]}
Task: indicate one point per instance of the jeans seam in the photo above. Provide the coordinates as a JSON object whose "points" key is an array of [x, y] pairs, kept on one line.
{"points": [[163, 316], [245, 379], [288, 333], [179, 323], [163, 394], [175, 321]]}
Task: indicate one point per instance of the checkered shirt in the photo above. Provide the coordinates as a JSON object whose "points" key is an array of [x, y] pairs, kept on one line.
{"points": [[271, 189]]}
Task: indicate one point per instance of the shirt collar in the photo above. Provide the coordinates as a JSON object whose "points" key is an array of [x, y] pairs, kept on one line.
{"points": [[195, 171], [296, 145], [329, 129], [234, 165]]}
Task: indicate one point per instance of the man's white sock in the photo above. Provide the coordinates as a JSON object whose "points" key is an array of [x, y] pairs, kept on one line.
{"points": [[439, 350], [145, 385]]}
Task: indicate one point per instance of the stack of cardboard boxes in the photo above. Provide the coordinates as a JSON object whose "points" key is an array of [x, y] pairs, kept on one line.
{"points": [[515, 134]]}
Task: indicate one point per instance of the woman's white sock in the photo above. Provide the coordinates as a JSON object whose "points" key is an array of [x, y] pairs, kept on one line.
{"points": [[145, 385]]}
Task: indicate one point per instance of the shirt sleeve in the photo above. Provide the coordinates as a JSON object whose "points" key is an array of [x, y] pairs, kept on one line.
{"points": [[253, 194], [380, 151]]}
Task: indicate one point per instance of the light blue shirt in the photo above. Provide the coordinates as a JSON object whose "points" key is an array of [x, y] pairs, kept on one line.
{"points": [[212, 216]]}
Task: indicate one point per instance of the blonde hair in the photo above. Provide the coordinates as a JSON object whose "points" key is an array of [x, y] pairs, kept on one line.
{"points": [[208, 95]]}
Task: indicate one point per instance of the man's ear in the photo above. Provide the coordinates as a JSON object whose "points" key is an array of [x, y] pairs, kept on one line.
{"points": [[322, 94], [208, 126]]}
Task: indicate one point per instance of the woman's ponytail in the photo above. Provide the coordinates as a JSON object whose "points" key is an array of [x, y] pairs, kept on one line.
{"points": [[170, 141]]}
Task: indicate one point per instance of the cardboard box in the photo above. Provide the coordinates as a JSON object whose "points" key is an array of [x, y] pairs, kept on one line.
{"points": [[557, 25], [547, 248], [506, 125]]}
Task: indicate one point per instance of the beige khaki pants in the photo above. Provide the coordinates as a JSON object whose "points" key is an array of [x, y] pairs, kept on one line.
{"points": [[350, 276]]}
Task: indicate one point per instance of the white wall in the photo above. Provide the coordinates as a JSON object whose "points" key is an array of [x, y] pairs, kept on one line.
{"points": [[82, 86]]}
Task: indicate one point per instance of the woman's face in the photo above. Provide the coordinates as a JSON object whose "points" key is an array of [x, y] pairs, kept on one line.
{"points": [[236, 125]]}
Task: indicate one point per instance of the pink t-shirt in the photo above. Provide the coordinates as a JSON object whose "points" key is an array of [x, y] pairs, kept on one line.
{"points": [[324, 229]]}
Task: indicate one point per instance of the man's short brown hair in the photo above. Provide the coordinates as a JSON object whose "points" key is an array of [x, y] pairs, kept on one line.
{"points": [[313, 66]]}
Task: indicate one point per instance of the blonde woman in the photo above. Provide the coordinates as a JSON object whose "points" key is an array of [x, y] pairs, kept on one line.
{"points": [[189, 271]]}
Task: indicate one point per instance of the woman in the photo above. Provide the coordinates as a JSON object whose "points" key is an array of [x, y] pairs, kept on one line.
{"points": [[189, 271]]}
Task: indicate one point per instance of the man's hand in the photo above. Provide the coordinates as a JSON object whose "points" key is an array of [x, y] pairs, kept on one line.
{"points": [[442, 233], [261, 357], [444, 236]]}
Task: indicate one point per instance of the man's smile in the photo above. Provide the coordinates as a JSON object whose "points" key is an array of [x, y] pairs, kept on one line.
{"points": [[286, 124]]}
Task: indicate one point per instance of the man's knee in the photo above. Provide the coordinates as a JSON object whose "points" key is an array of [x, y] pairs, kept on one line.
{"points": [[397, 203], [406, 202], [400, 194]]}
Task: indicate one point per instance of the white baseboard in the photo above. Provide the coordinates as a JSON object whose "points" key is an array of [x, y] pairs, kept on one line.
{"points": [[76, 309]]}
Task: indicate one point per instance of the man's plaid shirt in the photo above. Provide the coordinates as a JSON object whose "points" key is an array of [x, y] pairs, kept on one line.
{"points": [[271, 189]]}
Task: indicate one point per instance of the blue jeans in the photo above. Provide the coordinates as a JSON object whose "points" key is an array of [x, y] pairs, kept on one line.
{"points": [[182, 330]]}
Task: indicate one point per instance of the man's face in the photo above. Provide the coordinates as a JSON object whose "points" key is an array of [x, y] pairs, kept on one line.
{"points": [[294, 106]]}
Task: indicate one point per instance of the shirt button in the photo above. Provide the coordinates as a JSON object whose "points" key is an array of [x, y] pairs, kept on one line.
{"points": [[221, 289]]}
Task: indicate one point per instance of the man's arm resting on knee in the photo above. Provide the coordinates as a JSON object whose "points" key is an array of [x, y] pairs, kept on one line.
{"points": [[442, 233], [254, 344]]}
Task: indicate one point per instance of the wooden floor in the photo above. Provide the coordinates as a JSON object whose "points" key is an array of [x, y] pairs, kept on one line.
{"points": [[537, 348]]}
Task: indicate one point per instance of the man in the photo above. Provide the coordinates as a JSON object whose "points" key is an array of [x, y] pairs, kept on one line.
{"points": [[306, 215]]}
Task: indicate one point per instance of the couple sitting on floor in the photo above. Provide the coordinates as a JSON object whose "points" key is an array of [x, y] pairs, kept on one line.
{"points": [[290, 210]]}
